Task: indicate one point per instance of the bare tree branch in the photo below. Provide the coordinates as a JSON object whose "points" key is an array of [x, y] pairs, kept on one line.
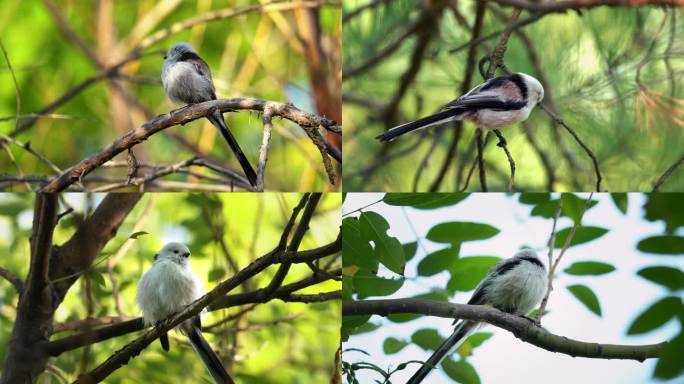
{"points": [[305, 120], [13, 279], [522, 328], [663, 178], [563, 6]]}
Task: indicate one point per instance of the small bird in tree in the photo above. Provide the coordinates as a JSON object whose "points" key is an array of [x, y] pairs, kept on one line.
{"points": [[187, 80], [168, 287], [515, 285], [494, 104]]}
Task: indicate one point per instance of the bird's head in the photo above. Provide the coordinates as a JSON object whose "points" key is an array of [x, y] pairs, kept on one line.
{"points": [[176, 252], [534, 88], [526, 252], [177, 50]]}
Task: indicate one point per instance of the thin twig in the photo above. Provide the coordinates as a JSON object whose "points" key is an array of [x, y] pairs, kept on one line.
{"points": [[263, 150], [480, 158], [511, 162], [579, 141], [13, 279], [549, 283], [663, 178], [553, 266]]}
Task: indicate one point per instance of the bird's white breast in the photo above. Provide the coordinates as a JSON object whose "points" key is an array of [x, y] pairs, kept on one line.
{"points": [[166, 288], [521, 288], [491, 119]]}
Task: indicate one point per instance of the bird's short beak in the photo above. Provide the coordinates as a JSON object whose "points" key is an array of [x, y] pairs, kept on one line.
{"points": [[186, 254]]}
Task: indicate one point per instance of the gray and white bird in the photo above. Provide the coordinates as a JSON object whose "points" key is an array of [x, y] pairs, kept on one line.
{"points": [[168, 287], [494, 104], [514, 285], [187, 80]]}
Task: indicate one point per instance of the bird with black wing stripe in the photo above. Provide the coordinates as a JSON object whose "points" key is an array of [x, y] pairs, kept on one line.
{"points": [[497, 103], [515, 285], [187, 80]]}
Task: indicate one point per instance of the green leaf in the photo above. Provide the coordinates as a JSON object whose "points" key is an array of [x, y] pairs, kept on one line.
{"points": [[620, 201], [392, 345], [457, 232], [137, 234], [424, 200], [572, 207], [365, 328], [427, 338], [367, 284], [353, 321], [672, 278], [582, 235], [667, 207], [347, 287], [410, 250], [593, 268], [670, 363], [438, 261], [546, 209], [388, 249], [467, 272], [216, 274], [587, 297], [662, 245], [460, 371], [472, 342], [478, 338], [656, 315], [98, 279], [356, 250], [534, 198]]}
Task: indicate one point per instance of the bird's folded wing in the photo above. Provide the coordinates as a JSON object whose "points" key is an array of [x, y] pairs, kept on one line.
{"points": [[485, 100]]}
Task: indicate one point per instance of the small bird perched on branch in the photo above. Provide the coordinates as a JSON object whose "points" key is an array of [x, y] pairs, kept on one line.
{"points": [[494, 104], [515, 285], [168, 287], [187, 80]]}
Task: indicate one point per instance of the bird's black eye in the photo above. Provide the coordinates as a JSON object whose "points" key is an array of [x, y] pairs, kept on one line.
{"points": [[176, 251], [165, 57]]}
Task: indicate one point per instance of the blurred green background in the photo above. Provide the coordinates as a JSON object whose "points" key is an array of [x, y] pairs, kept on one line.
{"points": [[615, 77], [277, 342], [260, 55]]}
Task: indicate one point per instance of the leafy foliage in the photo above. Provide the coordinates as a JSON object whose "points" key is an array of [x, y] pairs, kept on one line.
{"points": [[586, 296], [249, 225]]}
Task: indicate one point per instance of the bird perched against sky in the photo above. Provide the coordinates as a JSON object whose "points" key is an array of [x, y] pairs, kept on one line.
{"points": [[494, 104], [187, 80], [168, 287], [514, 285]]}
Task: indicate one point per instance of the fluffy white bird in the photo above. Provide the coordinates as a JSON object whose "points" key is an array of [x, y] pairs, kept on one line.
{"points": [[515, 285], [497, 103], [168, 287]]}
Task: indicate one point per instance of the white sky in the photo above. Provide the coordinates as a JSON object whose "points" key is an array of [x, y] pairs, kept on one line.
{"points": [[503, 358]]}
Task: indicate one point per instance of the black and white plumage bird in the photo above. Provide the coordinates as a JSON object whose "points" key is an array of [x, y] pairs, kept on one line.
{"points": [[168, 287], [514, 285], [187, 80], [494, 104]]}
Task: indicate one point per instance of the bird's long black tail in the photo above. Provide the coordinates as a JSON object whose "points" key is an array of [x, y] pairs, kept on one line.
{"points": [[460, 332], [209, 358], [437, 118], [217, 120]]}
